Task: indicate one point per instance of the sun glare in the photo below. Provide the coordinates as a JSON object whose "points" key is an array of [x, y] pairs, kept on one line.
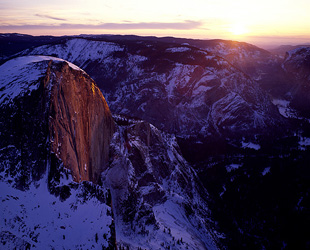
{"points": [[238, 29]]}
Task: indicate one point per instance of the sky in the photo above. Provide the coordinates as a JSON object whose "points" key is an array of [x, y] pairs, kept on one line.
{"points": [[264, 22]]}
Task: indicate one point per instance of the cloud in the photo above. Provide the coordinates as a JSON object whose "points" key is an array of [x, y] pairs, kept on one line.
{"points": [[185, 25], [51, 17]]}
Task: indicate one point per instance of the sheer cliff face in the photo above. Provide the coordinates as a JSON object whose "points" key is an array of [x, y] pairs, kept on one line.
{"points": [[80, 122], [45, 99]]}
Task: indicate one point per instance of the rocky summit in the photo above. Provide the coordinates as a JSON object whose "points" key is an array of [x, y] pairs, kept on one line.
{"points": [[73, 106]]}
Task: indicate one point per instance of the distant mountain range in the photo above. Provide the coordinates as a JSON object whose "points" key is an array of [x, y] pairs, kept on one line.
{"points": [[281, 50]]}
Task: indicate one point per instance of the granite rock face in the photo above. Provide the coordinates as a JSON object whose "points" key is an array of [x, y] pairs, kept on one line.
{"points": [[80, 123], [45, 99]]}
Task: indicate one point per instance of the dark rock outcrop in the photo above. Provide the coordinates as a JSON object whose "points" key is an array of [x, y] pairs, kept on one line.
{"points": [[297, 66], [156, 195]]}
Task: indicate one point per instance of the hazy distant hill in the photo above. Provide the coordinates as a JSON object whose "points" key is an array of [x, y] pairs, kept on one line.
{"points": [[13, 43], [281, 50]]}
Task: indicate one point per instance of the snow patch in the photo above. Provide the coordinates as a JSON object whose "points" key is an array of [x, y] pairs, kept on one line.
{"points": [[304, 142], [232, 167], [46, 222], [266, 171], [224, 190], [201, 89], [80, 51], [250, 145], [171, 215], [21, 75], [178, 49], [284, 108]]}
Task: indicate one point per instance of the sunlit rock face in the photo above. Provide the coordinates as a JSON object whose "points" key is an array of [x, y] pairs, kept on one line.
{"points": [[80, 122], [46, 99]]}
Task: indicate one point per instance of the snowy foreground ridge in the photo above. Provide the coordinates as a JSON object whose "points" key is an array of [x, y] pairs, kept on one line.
{"points": [[147, 196], [20, 75], [39, 220]]}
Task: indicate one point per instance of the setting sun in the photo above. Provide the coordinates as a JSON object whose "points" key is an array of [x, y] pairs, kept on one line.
{"points": [[238, 29], [260, 22]]}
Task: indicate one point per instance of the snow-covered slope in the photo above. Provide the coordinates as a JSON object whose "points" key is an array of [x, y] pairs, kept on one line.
{"points": [[250, 59], [79, 51], [178, 88], [20, 76], [156, 196], [35, 219]]}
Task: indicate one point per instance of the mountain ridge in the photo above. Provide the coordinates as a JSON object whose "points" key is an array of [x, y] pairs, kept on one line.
{"points": [[130, 74]]}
